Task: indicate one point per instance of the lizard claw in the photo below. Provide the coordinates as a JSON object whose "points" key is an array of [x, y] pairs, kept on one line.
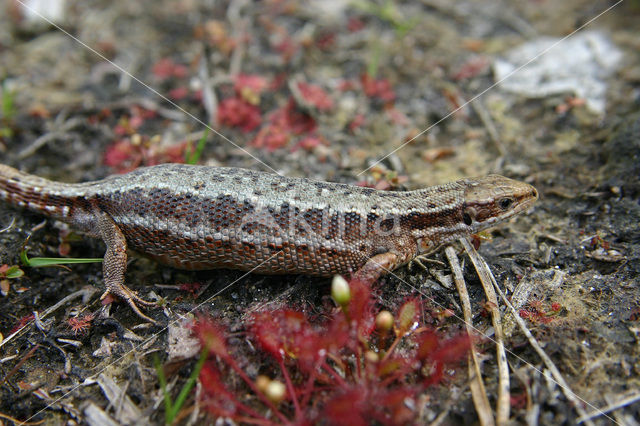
{"points": [[132, 300]]}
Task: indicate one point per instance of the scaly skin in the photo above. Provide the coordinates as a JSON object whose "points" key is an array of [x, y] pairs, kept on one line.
{"points": [[197, 217]]}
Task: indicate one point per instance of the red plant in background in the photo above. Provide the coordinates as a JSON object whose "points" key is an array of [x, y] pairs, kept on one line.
{"points": [[315, 96], [81, 324], [309, 143], [538, 313], [271, 137], [166, 68], [285, 123], [346, 369], [128, 154], [474, 66], [22, 322], [355, 24], [237, 112], [134, 149], [249, 87], [377, 88]]}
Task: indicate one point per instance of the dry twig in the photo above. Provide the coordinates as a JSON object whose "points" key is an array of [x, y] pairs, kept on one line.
{"points": [[486, 277], [478, 391]]}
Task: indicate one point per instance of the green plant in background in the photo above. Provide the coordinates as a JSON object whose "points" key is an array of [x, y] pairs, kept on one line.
{"points": [[13, 271], [39, 262], [192, 156], [372, 66], [8, 110], [171, 408], [8, 104], [388, 12]]}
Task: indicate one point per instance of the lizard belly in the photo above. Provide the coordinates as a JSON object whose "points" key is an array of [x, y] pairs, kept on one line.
{"points": [[233, 250]]}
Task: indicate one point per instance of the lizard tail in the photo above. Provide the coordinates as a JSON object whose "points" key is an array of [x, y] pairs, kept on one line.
{"points": [[35, 193]]}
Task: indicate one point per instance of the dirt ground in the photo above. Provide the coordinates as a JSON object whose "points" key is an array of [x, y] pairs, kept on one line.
{"points": [[324, 90]]}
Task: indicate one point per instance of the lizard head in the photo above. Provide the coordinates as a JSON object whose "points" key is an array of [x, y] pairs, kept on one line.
{"points": [[492, 199]]}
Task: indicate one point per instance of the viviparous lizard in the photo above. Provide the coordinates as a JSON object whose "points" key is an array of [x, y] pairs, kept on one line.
{"points": [[199, 217]]}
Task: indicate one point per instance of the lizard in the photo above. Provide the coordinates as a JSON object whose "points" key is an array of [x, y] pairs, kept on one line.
{"points": [[203, 217]]}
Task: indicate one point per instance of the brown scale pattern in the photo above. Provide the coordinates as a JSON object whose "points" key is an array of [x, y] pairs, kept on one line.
{"points": [[197, 217]]}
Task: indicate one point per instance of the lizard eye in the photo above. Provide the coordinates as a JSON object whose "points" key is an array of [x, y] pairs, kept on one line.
{"points": [[505, 203]]}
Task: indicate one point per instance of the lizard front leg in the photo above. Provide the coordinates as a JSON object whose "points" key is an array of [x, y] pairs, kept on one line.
{"points": [[376, 266], [397, 254], [114, 264]]}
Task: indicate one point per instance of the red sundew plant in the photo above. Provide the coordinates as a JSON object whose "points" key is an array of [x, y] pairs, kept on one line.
{"points": [[179, 93], [326, 41], [346, 369], [316, 96], [249, 87], [293, 120], [80, 325], [124, 155], [191, 288], [537, 312], [357, 122], [166, 68], [271, 138], [309, 143], [22, 322], [285, 123], [355, 24], [475, 66], [377, 88], [237, 112]]}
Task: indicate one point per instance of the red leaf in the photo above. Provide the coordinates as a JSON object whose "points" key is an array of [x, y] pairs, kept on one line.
{"points": [[166, 68], [249, 87], [355, 24], [271, 137], [178, 93], [122, 156], [374, 88], [348, 408], [211, 336], [291, 119], [217, 399], [163, 69], [315, 96], [289, 333], [357, 122], [361, 308], [308, 143], [236, 112], [474, 66]]}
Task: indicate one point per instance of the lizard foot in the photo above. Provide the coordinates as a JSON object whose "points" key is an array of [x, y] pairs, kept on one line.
{"points": [[132, 300]]}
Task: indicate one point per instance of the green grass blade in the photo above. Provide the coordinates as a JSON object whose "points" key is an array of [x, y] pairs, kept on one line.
{"points": [[39, 262]]}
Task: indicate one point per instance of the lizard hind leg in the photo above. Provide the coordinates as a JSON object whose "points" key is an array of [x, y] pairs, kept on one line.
{"points": [[114, 265]]}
